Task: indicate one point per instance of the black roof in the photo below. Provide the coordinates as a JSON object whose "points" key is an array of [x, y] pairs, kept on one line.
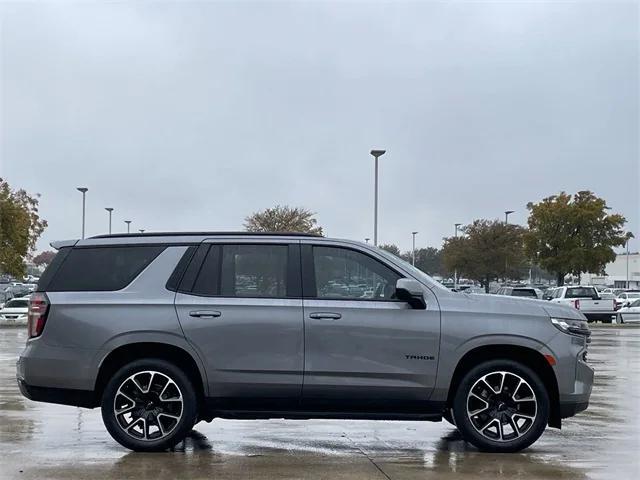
{"points": [[200, 234]]}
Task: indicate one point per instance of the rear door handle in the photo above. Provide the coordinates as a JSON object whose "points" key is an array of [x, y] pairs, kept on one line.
{"points": [[325, 315], [205, 313]]}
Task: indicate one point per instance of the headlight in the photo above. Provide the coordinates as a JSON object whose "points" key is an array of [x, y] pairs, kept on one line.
{"points": [[575, 327]]}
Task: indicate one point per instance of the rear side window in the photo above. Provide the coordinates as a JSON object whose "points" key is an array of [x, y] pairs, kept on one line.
{"points": [[254, 271], [245, 270], [102, 268]]}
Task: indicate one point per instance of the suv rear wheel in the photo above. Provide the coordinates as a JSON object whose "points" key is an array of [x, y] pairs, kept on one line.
{"points": [[501, 406], [149, 405]]}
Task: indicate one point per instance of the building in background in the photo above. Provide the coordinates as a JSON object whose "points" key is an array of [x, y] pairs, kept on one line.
{"points": [[616, 273]]}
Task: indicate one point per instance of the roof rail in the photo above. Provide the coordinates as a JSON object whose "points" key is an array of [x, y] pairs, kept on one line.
{"points": [[182, 234]]}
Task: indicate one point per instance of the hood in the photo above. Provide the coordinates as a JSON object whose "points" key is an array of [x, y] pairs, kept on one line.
{"points": [[527, 306]]}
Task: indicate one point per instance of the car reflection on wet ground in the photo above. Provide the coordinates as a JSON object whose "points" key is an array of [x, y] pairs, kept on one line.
{"points": [[48, 441]]}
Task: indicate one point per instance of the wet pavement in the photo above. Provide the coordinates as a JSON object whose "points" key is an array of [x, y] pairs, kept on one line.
{"points": [[42, 441]]}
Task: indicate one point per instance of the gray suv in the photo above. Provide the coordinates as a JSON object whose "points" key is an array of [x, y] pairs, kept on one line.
{"points": [[165, 330]]}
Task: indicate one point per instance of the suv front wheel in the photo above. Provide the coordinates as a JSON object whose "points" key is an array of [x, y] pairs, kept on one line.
{"points": [[501, 406], [149, 405]]}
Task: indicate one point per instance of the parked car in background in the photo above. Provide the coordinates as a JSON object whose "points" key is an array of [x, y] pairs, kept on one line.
{"points": [[625, 298], [527, 292], [14, 312], [586, 299], [629, 313]]}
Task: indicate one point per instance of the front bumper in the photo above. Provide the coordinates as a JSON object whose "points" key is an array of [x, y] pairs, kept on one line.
{"points": [[578, 400]]}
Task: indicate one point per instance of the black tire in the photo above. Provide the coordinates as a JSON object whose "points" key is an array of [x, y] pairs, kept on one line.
{"points": [[501, 410], [167, 430]]}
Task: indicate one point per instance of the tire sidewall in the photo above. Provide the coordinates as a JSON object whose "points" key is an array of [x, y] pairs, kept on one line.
{"points": [[472, 435], [189, 413]]}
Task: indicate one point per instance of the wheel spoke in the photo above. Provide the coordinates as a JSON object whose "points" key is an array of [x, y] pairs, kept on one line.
{"points": [[514, 425]]}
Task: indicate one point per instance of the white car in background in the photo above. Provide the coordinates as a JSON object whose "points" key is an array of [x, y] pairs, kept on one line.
{"points": [[14, 312], [630, 314], [625, 298]]}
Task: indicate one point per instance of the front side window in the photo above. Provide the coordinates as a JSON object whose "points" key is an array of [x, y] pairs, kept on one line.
{"points": [[342, 273]]}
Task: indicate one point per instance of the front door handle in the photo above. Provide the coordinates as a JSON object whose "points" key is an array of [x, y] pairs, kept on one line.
{"points": [[325, 315], [205, 313]]}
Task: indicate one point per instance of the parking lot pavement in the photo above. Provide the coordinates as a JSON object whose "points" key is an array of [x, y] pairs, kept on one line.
{"points": [[41, 441]]}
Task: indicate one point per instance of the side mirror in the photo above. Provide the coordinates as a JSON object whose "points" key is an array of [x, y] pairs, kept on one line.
{"points": [[410, 291]]}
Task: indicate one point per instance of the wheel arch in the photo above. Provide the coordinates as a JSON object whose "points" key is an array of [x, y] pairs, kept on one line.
{"points": [[127, 353], [525, 355]]}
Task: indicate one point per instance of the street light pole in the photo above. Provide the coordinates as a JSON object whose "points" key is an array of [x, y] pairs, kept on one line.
{"points": [[455, 271], [366, 240], [110, 210], [128, 222], [506, 222], [627, 282], [84, 194], [376, 154], [506, 216], [413, 249]]}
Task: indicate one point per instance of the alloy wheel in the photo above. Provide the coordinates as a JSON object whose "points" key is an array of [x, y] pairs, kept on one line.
{"points": [[502, 406], [148, 405]]}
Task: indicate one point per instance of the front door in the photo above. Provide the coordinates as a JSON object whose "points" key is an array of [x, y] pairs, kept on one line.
{"points": [[364, 349], [239, 306]]}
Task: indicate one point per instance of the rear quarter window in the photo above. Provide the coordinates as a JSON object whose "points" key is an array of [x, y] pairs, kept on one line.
{"points": [[102, 268]]}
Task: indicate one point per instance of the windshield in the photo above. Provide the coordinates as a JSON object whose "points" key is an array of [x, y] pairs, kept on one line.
{"points": [[416, 272], [524, 293], [17, 304]]}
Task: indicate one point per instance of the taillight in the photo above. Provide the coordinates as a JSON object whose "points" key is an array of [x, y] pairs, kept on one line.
{"points": [[37, 316], [576, 304]]}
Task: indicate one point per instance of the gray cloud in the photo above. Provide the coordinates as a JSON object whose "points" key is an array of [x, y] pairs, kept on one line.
{"points": [[193, 115]]}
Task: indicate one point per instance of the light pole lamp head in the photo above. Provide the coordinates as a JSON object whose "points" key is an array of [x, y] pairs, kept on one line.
{"points": [[82, 189], [377, 153], [127, 222], [508, 212], [414, 233], [108, 209], [367, 239]]}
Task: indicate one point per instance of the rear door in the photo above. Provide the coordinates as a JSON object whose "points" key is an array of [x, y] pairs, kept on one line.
{"points": [[365, 350], [240, 306]]}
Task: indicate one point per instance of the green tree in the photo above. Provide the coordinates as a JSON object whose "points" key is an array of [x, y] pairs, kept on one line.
{"points": [[283, 219], [488, 250], [428, 259], [391, 248], [573, 234], [20, 228]]}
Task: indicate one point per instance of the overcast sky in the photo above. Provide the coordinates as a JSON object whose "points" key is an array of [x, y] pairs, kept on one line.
{"points": [[193, 115]]}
